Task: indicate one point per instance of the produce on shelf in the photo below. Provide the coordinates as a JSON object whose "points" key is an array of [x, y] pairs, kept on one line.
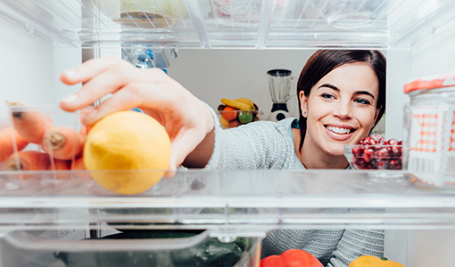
{"points": [[291, 258], [375, 152], [122, 144], [372, 261], [30, 124], [211, 253], [237, 112], [27, 161], [10, 141], [62, 142], [60, 165]]}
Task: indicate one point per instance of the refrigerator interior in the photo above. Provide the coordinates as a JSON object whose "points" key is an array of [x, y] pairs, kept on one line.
{"points": [[39, 39]]}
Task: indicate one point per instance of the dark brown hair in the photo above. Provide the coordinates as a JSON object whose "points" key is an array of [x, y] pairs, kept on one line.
{"points": [[324, 61]]}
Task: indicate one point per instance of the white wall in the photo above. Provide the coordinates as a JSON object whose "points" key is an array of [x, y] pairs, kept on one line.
{"points": [[26, 67], [215, 74]]}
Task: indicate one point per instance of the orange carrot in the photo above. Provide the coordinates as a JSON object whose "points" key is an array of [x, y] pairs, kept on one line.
{"points": [[9, 141], [78, 166], [62, 142], [27, 161], [61, 165], [31, 125]]}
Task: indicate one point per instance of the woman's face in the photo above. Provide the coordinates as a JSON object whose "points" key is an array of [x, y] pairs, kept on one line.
{"points": [[341, 108]]}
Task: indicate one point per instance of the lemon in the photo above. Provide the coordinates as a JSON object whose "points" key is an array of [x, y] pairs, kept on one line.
{"points": [[131, 148]]}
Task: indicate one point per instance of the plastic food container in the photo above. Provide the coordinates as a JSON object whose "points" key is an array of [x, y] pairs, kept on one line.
{"points": [[351, 13], [374, 157], [143, 13], [235, 118], [429, 128]]}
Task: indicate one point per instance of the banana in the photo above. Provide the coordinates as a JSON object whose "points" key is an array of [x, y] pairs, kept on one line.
{"points": [[246, 101], [224, 122], [236, 104]]}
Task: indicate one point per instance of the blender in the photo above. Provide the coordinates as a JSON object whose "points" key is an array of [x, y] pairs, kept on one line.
{"points": [[279, 85]]}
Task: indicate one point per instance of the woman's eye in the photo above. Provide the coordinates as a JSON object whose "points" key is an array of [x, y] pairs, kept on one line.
{"points": [[362, 101], [327, 96]]}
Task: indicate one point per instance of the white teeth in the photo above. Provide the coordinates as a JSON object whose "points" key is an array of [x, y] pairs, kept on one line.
{"points": [[339, 130]]}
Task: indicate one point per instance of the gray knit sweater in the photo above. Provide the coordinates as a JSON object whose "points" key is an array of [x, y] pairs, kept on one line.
{"points": [[269, 145]]}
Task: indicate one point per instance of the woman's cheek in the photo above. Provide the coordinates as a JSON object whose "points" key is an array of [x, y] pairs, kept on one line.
{"points": [[366, 119]]}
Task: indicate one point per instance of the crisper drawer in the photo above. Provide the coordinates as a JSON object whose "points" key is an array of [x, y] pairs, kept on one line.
{"points": [[131, 247]]}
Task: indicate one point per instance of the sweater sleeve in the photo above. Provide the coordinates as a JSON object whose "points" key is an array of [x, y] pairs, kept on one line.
{"points": [[355, 243], [257, 145]]}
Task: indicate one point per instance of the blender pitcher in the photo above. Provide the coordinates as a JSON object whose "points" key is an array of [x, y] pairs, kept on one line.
{"points": [[280, 86]]}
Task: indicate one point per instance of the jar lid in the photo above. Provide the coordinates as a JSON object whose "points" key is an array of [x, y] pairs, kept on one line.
{"points": [[432, 82]]}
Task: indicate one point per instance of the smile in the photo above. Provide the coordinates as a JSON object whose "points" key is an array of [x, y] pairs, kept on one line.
{"points": [[339, 130]]}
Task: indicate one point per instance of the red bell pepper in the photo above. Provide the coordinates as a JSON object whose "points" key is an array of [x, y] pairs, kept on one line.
{"points": [[291, 258]]}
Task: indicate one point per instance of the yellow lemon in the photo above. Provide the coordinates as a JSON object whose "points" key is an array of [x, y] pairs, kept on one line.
{"points": [[131, 148]]}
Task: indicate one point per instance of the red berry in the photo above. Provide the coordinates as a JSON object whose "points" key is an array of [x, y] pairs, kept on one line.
{"points": [[393, 142], [383, 153], [382, 164], [369, 152], [394, 163], [357, 151]]}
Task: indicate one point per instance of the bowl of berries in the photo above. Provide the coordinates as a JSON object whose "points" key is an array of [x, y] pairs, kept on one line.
{"points": [[375, 153]]}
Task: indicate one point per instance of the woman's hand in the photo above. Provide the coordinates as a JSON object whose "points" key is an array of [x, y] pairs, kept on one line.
{"points": [[185, 118]]}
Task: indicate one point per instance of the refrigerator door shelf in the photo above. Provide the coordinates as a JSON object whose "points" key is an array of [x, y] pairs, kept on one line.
{"points": [[259, 24]]}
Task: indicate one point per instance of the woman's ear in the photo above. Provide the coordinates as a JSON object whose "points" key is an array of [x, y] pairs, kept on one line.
{"points": [[377, 114], [303, 103]]}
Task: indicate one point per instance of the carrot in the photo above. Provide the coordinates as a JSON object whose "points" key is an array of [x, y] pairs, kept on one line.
{"points": [[62, 142], [78, 166], [31, 125], [60, 165], [10, 141], [27, 161]]}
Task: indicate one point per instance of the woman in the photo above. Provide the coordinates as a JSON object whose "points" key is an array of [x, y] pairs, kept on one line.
{"points": [[341, 98]]}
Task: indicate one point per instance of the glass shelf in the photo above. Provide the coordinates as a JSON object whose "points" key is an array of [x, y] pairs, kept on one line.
{"points": [[245, 202], [255, 24]]}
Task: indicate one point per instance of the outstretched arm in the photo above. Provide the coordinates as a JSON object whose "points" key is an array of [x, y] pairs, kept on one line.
{"points": [[187, 120]]}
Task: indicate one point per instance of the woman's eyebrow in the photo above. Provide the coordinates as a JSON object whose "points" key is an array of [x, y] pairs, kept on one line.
{"points": [[338, 90], [330, 86], [364, 93]]}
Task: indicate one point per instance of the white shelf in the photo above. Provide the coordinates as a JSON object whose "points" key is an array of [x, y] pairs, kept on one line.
{"points": [[255, 24], [242, 201]]}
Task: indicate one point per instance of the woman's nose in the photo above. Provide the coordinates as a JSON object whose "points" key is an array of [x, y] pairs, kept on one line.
{"points": [[343, 111]]}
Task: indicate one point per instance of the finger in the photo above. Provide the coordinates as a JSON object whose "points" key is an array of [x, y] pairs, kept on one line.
{"points": [[88, 70], [106, 82], [182, 146], [84, 112], [123, 99]]}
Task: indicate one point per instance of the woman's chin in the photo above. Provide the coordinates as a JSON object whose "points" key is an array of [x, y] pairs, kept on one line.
{"points": [[336, 151]]}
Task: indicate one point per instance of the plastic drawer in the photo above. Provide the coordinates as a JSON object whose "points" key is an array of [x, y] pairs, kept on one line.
{"points": [[130, 248]]}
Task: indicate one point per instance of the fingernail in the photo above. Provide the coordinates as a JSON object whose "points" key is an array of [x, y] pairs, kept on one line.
{"points": [[70, 73], [69, 99]]}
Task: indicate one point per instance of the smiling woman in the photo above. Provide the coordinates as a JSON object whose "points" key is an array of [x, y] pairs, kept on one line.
{"points": [[342, 97]]}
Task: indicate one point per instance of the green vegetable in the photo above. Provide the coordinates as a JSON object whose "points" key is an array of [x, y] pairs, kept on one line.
{"points": [[245, 117], [210, 253]]}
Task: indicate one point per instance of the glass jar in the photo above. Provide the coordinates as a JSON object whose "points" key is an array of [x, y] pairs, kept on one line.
{"points": [[429, 129]]}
